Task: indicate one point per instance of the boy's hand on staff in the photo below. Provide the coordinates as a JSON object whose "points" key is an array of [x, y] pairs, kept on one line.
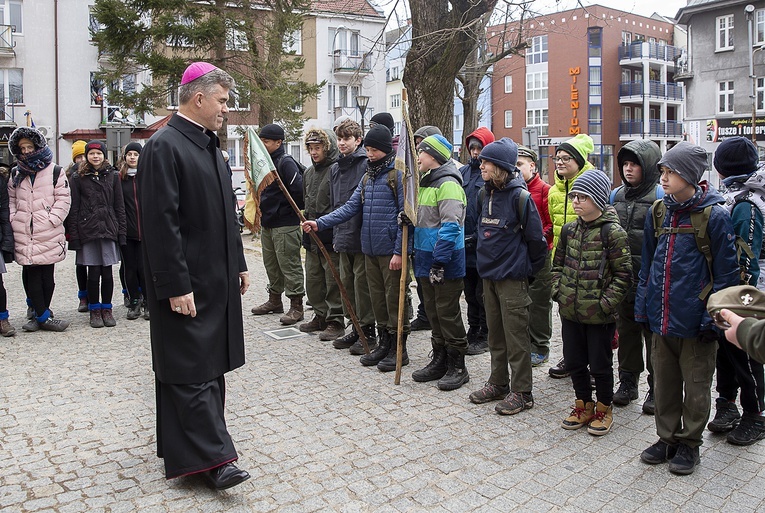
{"points": [[395, 263], [309, 226]]}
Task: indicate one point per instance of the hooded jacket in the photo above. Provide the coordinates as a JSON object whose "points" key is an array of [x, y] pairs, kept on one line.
{"points": [[472, 183], [345, 176], [560, 208], [439, 234], [632, 202], [673, 271], [316, 187]]}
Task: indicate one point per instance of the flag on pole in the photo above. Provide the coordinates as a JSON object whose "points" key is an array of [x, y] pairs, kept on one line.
{"points": [[405, 163], [259, 172]]}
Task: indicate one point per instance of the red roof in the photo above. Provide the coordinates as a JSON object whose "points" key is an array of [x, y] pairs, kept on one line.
{"points": [[88, 134], [360, 7]]}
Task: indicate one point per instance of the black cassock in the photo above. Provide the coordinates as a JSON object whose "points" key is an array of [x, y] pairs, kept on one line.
{"points": [[191, 243]]}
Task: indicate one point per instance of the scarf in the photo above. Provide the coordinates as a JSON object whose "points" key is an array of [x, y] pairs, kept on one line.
{"points": [[29, 164], [374, 168], [132, 171]]}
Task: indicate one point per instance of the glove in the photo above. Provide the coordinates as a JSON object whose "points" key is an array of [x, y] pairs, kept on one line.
{"points": [[470, 243], [74, 245], [402, 219], [436, 274], [123, 250], [8, 256], [708, 336], [531, 279]]}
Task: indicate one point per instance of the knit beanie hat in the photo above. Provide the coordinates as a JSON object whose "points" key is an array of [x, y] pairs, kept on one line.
{"points": [[736, 156], [78, 148], [25, 132], [595, 184], [503, 153], [578, 147], [427, 130], [272, 132], [385, 119], [95, 145], [525, 151], [687, 160], [133, 146], [437, 147], [379, 137]]}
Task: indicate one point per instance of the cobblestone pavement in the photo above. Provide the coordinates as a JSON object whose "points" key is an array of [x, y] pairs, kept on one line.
{"points": [[318, 432]]}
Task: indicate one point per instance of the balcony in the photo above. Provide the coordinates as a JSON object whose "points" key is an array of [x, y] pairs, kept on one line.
{"points": [[657, 129], [653, 51], [6, 41], [345, 62], [656, 90]]}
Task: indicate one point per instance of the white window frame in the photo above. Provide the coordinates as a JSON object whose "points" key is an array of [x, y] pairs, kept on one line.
{"points": [[760, 93], [726, 94], [759, 26], [508, 119], [236, 40], [538, 118], [395, 101], [233, 102], [293, 43], [536, 85], [346, 40], [724, 33], [182, 42], [508, 84], [537, 51], [626, 37], [6, 89]]}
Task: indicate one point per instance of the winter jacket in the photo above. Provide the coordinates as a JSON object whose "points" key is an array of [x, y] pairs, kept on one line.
{"points": [[275, 208], [673, 271], [472, 183], [632, 203], [439, 234], [316, 190], [751, 335], [98, 210], [37, 214], [540, 191], [380, 234], [591, 276], [504, 253], [130, 200], [561, 209], [6, 231], [345, 176]]}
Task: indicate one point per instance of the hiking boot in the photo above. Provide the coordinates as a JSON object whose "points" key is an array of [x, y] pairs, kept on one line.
{"points": [[559, 371], [726, 418], [538, 359], [685, 460], [388, 363], [456, 372], [750, 430], [602, 420], [31, 325], [346, 341], [435, 369], [314, 324], [52, 324], [332, 331], [489, 392], [479, 345], [628, 389], [96, 321], [472, 334], [659, 452], [357, 349], [649, 408], [380, 352], [295, 313], [580, 416], [108, 318], [134, 310], [83, 306], [6, 329], [420, 324], [273, 305], [515, 402], [145, 308]]}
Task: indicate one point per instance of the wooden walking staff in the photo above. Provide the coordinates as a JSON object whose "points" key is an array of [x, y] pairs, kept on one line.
{"points": [[406, 176]]}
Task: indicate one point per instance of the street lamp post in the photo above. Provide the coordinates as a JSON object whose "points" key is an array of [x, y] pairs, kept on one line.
{"points": [[362, 102]]}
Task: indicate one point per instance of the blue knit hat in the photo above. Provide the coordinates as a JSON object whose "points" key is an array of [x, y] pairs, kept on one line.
{"points": [[437, 147], [595, 184], [736, 156], [503, 153]]}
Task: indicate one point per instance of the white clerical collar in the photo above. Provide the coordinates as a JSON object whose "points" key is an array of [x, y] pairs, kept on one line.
{"points": [[191, 121]]}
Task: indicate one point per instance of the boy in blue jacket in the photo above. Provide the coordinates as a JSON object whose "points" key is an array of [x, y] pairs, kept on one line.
{"points": [[675, 282]]}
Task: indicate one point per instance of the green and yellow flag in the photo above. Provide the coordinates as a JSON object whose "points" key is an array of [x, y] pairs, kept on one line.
{"points": [[260, 172]]}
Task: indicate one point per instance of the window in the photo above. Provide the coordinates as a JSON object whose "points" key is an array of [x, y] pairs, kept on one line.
{"points": [[508, 84], [594, 36], [397, 128], [236, 102], [395, 73], [172, 96], [235, 153], [344, 40], [536, 86], [99, 91], [180, 40], [508, 119], [626, 37], [12, 85], [395, 101], [596, 120], [596, 81], [725, 96], [537, 50], [457, 122], [724, 32], [93, 24], [760, 93], [759, 26], [331, 97], [236, 39], [342, 96], [293, 43], [537, 118]]}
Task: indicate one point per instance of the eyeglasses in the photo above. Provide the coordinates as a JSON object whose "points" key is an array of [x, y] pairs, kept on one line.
{"points": [[581, 198], [565, 159]]}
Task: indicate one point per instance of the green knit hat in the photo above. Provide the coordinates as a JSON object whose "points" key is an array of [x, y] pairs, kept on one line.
{"points": [[578, 147], [437, 147]]}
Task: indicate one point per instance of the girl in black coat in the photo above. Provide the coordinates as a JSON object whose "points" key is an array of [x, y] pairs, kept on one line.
{"points": [[6, 246], [132, 261]]}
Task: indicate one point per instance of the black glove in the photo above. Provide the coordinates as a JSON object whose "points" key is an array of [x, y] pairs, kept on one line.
{"points": [[402, 219], [531, 279], [436, 274], [470, 242], [708, 336], [8, 256], [74, 245], [123, 250]]}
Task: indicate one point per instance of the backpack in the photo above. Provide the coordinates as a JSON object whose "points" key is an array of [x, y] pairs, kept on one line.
{"points": [[699, 225], [659, 193], [56, 173], [300, 166], [391, 183], [604, 229]]}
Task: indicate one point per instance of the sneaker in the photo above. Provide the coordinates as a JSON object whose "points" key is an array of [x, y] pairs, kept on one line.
{"points": [[31, 325], [580, 416], [649, 408], [659, 452], [515, 402], [726, 418], [420, 324], [538, 359], [627, 391], [52, 324], [332, 331], [602, 420], [750, 430], [685, 460], [559, 371], [480, 346], [489, 392]]}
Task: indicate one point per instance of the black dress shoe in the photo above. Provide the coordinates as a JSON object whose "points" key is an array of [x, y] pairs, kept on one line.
{"points": [[226, 476]]}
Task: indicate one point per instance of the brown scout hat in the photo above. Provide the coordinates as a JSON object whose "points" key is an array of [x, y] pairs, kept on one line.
{"points": [[743, 300]]}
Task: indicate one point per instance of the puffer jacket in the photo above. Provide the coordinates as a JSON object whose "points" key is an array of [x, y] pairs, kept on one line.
{"points": [[37, 213], [439, 233], [674, 272], [98, 209], [561, 209], [380, 234], [540, 191], [316, 189], [503, 252], [632, 203], [345, 176], [589, 281]]}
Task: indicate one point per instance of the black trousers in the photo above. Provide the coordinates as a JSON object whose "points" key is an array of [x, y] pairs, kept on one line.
{"points": [[39, 285], [191, 429], [736, 370], [589, 344], [132, 265], [476, 314]]}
